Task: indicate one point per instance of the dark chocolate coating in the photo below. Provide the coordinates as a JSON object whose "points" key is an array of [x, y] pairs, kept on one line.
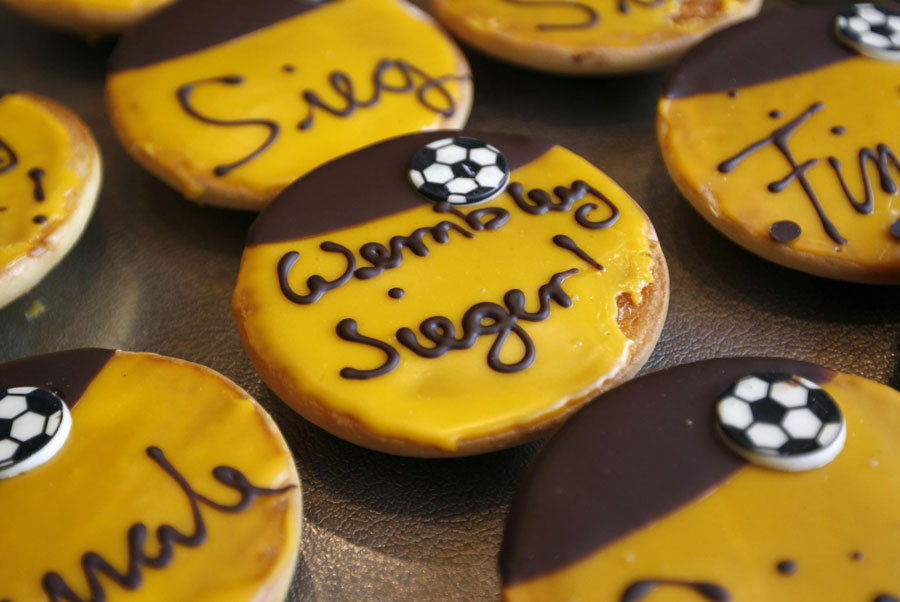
{"points": [[189, 26], [66, 373], [632, 456], [366, 185], [776, 45]]}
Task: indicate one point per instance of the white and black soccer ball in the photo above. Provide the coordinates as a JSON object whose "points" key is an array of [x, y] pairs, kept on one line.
{"points": [[871, 30], [781, 421], [459, 170], [34, 425]]}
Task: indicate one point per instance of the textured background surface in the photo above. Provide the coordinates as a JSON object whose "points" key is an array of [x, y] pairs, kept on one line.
{"points": [[155, 273]]}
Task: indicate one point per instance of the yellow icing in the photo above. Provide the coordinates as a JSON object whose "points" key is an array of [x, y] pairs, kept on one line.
{"points": [[860, 94], [438, 402], [101, 482], [39, 140], [105, 5], [639, 26], [357, 35], [736, 535]]}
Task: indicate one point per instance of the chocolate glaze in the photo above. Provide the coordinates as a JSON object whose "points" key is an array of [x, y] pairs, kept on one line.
{"points": [[192, 25], [625, 461], [366, 185], [66, 373], [770, 47], [639, 590]]}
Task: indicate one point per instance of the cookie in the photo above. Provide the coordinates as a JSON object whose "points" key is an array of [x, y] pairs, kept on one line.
{"points": [[662, 490], [243, 98], [449, 293], [49, 179], [780, 133], [87, 17], [589, 37], [170, 483]]}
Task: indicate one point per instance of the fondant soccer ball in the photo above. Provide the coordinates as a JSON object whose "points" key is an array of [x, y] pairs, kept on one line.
{"points": [[459, 170], [31, 420], [872, 30], [781, 421]]}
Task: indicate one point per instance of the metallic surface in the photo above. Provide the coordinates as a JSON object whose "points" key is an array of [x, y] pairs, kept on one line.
{"points": [[155, 273]]}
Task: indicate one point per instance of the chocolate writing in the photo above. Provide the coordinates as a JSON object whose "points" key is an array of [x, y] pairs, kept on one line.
{"points": [[131, 576], [565, 242], [882, 158], [539, 202], [390, 75], [482, 319], [184, 98], [591, 15], [8, 158], [439, 335], [384, 257], [625, 5], [37, 177], [408, 75], [639, 590]]}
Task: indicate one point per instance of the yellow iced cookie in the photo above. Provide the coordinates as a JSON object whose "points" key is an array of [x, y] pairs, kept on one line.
{"points": [[450, 293], [230, 102], [136, 477], [783, 137], [589, 37], [731, 479], [87, 17], [49, 179]]}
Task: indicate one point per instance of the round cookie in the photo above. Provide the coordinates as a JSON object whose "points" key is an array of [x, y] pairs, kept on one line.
{"points": [[428, 327], [781, 136], [50, 173], [638, 497], [173, 484], [244, 97], [87, 17], [589, 37]]}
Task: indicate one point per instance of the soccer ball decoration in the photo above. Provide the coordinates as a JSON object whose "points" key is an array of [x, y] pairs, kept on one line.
{"points": [[459, 170], [34, 424], [781, 421], [871, 30]]}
